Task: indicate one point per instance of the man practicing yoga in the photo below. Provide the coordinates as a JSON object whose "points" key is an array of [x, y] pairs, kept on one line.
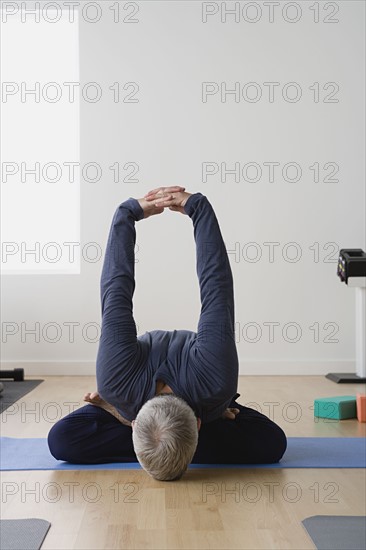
{"points": [[173, 391]]}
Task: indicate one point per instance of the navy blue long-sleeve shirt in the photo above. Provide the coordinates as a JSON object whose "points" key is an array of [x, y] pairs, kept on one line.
{"points": [[201, 367]]}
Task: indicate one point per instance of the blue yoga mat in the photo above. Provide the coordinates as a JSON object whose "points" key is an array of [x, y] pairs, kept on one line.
{"points": [[302, 452]]}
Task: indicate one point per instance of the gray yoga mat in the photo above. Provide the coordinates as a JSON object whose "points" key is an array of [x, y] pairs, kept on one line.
{"points": [[23, 534], [15, 390], [337, 532]]}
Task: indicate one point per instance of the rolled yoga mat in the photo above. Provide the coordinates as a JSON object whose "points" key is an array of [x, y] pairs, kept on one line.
{"points": [[337, 532], [23, 534], [302, 452]]}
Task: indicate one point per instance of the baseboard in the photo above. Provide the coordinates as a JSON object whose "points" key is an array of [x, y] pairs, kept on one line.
{"points": [[294, 368], [249, 368]]}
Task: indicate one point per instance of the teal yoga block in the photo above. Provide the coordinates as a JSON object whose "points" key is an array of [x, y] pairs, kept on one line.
{"points": [[338, 408]]}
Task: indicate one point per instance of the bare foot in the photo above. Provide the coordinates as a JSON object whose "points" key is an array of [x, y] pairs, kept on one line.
{"points": [[95, 399], [231, 413]]}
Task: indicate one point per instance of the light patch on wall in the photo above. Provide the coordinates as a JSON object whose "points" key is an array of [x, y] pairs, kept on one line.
{"points": [[40, 145]]}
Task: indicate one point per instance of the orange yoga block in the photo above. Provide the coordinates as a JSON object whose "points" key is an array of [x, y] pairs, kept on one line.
{"points": [[361, 407]]}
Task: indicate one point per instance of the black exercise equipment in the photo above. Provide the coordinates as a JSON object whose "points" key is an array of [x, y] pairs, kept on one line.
{"points": [[16, 374]]}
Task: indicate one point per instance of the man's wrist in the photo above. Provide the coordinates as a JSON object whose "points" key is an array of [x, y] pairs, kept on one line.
{"points": [[134, 207], [191, 202]]}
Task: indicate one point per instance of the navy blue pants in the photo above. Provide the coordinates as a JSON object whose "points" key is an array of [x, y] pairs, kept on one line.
{"points": [[91, 435]]}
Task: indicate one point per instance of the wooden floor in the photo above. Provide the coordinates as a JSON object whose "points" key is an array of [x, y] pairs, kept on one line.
{"points": [[207, 509]]}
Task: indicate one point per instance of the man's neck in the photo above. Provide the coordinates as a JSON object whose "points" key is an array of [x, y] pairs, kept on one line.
{"points": [[161, 387]]}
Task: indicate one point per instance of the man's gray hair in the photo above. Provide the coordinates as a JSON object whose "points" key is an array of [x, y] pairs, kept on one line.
{"points": [[165, 436]]}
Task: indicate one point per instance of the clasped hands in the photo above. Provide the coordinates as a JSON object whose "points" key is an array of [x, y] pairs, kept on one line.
{"points": [[156, 200]]}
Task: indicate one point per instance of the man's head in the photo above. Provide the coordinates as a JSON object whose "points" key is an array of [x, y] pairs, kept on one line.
{"points": [[165, 436]]}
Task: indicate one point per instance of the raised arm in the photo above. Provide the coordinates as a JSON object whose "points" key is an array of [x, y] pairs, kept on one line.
{"points": [[117, 283]]}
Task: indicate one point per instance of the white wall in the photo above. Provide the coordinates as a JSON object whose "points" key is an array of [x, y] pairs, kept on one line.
{"points": [[170, 132]]}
